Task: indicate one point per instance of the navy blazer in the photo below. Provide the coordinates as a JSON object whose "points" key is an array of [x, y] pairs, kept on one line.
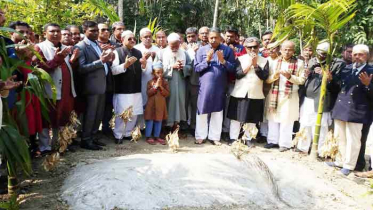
{"points": [[354, 101]]}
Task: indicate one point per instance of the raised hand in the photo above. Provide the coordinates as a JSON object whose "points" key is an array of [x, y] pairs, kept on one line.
{"points": [[220, 56], [318, 70], [147, 55], [210, 53], [286, 74], [106, 56], [9, 83], [75, 55], [195, 47], [365, 78], [129, 61], [143, 62], [63, 53]]}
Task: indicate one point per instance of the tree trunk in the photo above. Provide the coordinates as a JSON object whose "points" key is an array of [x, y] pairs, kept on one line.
{"points": [[120, 9], [12, 181], [216, 13]]}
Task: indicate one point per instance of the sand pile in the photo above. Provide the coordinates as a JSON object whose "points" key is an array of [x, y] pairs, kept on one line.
{"points": [[156, 181]]}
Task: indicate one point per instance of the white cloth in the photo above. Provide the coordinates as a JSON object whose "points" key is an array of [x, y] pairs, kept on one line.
{"points": [[49, 51], [349, 135], [304, 146], [250, 86], [169, 58], [211, 130], [280, 133], [308, 116], [121, 102], [121, 130], [287, 105], [370, 143], [235, 128], [147, 74]]}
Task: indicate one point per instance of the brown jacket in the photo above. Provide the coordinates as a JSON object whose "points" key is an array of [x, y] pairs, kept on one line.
{"points": [[156, 108]]}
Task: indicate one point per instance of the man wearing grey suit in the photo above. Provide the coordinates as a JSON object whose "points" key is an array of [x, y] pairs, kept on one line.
{"points": [[93, 68]]}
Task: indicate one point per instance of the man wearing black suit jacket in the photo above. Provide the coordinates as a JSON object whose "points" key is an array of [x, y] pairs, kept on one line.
{"points": [[353, 107], [93, 67]]}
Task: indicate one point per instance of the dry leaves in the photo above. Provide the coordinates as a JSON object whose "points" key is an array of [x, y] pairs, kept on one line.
{"points": [[173, 140], [330, 147], [125, 116], [65, 138], [253, 130], [239, 148], [136, 134], [51, 161], [301, 136]]}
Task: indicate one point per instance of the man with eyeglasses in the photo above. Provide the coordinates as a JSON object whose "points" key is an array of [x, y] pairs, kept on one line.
{"points": [[127, 68], [118, 28], [66, 37], [246, 103], [75, 33], [105, 43]]}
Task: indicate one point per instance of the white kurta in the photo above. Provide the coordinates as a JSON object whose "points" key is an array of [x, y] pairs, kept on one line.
{"points": [[147, 74], [287, 105]]}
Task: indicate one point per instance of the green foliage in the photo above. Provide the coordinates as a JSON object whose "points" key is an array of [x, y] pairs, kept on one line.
{"points": [[12, 204], [154, 27], [63, 12]]}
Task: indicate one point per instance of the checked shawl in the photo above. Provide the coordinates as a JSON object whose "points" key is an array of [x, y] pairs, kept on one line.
{"points": [[293, 67]]}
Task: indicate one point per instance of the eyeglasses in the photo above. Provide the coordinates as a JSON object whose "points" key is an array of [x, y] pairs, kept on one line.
{"points": [[131, 39], [252, 47], [104, 29]]}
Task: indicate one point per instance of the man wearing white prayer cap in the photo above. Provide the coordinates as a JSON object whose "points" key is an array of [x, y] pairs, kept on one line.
{"points": [[127, 68], [177, 65], [311, 94], [353, 107]]}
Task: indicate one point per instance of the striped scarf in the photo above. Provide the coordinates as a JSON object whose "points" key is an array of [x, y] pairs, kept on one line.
{"points": [[293, 67]]}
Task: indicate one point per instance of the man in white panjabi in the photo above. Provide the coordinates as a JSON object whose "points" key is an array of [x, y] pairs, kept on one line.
{"points": [[149, 51], [283, 100], [127, 69]]}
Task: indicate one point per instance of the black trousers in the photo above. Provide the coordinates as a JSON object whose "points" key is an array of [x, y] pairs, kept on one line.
{"points": [[93, 114], [191, 99], [360, 165], [108, 112]]}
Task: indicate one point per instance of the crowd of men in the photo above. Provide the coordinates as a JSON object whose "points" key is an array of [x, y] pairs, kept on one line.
{"points": [[215, 82]]}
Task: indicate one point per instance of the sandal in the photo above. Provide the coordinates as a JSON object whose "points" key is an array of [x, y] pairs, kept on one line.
{"points": [[199, 141], [151, 141]]}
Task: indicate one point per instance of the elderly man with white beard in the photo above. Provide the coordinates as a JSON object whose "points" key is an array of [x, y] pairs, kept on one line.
{"points": [[177, 65]]}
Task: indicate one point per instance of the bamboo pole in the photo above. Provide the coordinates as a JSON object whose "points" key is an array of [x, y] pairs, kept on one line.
{"points": [[12, 181], [120, 10], [216, 13]]}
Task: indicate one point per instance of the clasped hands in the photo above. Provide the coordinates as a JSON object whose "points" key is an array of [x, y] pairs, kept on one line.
{"points": [[219, 53]]}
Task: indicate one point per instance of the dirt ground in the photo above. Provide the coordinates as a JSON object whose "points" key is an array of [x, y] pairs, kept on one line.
{"points": [[43, 189]]}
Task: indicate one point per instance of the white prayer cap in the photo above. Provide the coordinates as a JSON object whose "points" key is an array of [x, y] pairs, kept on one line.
{"points": [[173, 37], [324, 47], [360, 48], [126, 33], [144, 30]]}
